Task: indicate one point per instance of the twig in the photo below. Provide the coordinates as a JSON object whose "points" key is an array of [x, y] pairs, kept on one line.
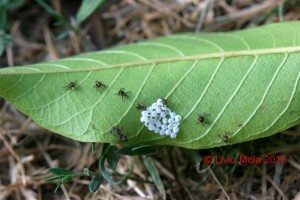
{"points": [[248, 13], [272, 182], [218, 182], [21, 167], [63, 188], [174, 169], [208, 4]]}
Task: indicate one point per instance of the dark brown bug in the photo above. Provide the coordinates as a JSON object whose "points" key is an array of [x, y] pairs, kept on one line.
{"points": [[122, 92], [225, 137], [98, 85], [164, 101], [119, 132], [141, 106], [72, 86], [113, 130], [202, 119], [291, 112]]}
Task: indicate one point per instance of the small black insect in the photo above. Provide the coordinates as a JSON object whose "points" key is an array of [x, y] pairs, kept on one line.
{"points": [[113, 130], [98, 85], [94, 127], [291, 112], [202, 119], [72, 86], [164, 101], [122, 92], [123, 138], [141, 106], [225, 137], [119, 132]]}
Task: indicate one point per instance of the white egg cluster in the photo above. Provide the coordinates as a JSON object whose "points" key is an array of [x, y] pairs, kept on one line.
{"points": [[160, 119]]}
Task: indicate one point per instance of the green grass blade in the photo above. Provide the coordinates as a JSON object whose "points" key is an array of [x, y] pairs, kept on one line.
{"points": [[95, 183], [112, 157], [102, 168], [155, 175], [61, 171], [87, 8]]}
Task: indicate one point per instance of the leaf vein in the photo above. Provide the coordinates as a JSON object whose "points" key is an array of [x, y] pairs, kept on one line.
{"points": [[286, 108], [272, 36], [137, 94], [264, 95], [60, 97], [173, 89], [86, 59], [163, 45], [31, 88], [182, 78], [205, 89], [14, 85], [230, 99], [197, 39], [120, 52], [241, 39], [56, 65]]}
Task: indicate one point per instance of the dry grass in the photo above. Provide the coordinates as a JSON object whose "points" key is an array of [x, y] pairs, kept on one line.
{"points": [[27, 150]]}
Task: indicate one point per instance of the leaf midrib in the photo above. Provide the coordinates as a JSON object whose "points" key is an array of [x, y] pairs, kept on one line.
{"points": [[285, 50]]}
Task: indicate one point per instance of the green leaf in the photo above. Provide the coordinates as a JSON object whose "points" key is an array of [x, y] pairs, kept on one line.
{"points": [[57, 186], [102, 168], [138, 150], [112, 157], [87, 172], [4, 3], [48, 8], [14, 4], [3, 18], [247, 82], [155, 175], [7, 39], [67, 179], [62, 35], [1, 47], [55, 178], [64, 179], [87, 8], [95, 183], [61, 171], [61, 20]]}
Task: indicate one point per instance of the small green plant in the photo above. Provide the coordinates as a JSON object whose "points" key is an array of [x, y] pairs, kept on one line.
{"points": [[86, 9], [111, 155], [5, 6], [66, 176]]}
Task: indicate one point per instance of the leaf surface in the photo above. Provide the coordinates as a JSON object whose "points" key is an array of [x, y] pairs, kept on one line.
{"points": [[247, 82]]}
